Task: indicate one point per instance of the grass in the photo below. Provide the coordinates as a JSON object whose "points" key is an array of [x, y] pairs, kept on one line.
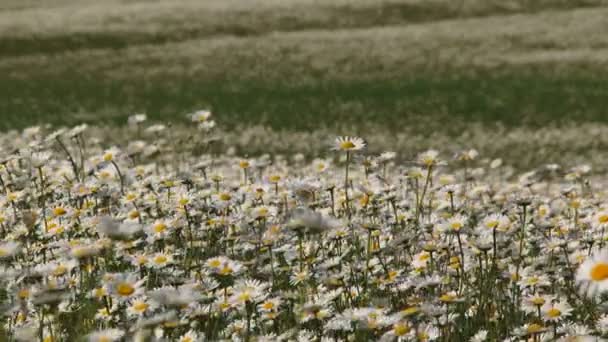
{"points": [[333, 64]]}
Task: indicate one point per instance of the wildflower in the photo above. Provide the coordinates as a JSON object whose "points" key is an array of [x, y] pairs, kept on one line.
{"points": [[480, 336], [429, 158], [171, 297], [189, 336], [592, 275], [200, 116], [348, 144], [160, 260], [311, 221], [554, 312], [116, 230], [140, 306], [9, 249], [108, 335], [248, 291], [125, 286]]}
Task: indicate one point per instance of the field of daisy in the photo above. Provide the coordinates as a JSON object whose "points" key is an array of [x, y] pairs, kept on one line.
{"points": [[390, 170], [161, 239]]}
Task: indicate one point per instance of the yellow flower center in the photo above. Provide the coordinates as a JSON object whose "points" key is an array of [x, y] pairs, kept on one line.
{"points": [[140, 306], [400, 329], [225, 197], [99, 292], [215, 263], [60, 270], [59, 211], [553, 312], [226, 270], [599, 272], [125, 289], [534, 328], [160, 259], [244, 296], [538, 301], [410, 311], [141, 260], [133, 214], [603, 218], [268, 306], [23, 293], [160, 227], [347, 145], [447, 298]]}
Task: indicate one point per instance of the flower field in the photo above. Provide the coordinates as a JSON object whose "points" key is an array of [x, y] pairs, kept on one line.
{"points": [[172, 240]]}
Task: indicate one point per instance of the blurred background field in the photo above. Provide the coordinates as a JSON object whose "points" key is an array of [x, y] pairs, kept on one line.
{"points": [[295, 68]]}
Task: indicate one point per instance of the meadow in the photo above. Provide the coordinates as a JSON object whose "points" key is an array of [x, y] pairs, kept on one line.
{"points": [[168, 239], [282, 170]]}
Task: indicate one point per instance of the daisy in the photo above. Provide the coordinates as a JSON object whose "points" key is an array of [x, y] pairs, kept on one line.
{"points": [[429, 158], [480, 336], [124, 286], [399, 330], [200, 116], [600, 219], [455, 223], [160, 260], [557, 311], [269, 305], [592, 274], [190, 336], [108, 335], [496, 221], [533, 302], [140, 306], [180, 297], [248, 291], [9, 249], [348, 144], [136, 119], [160, 229], [116, 230]]}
